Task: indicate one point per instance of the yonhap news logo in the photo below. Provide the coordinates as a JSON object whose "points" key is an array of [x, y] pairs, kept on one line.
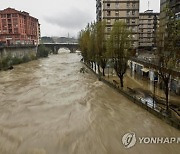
{"points": [[129, 140]]}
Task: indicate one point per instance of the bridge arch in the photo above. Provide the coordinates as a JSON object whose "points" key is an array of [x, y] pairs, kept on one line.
{"points": [[56, 46]]}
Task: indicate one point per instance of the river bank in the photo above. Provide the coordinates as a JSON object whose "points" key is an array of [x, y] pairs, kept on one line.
{"points": [[10, 56], [155, 111]]}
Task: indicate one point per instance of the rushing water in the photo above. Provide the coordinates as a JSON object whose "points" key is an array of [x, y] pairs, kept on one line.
{"points": [[48, 107]]}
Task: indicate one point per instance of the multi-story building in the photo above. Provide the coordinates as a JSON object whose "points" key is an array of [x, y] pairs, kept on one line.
{"points": [[148, 24], [18, 27], [125, 10], [175, 7]]}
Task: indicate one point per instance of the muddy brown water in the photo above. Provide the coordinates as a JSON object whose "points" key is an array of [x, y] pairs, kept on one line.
{"points": [[48, 107]]}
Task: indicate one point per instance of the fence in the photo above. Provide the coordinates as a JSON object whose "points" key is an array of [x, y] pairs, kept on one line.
{"points": [[158, 114]]}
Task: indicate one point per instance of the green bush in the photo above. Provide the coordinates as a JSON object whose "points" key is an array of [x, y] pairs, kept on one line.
{"points": [[16, 60], [25, 59], [42, 51], [6, 62], [33, 57]]}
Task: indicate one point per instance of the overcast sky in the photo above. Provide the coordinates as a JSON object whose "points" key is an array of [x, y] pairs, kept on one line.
{"points": [[60, 17]]}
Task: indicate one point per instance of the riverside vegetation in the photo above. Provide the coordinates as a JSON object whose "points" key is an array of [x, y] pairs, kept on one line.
{"points": [[101, 50], [98, 49]]}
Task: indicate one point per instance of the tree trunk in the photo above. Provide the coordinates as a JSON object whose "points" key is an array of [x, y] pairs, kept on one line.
{"points": [[99, 69], [99, 73], [121, 81], [167, 96], [103, 71], [95, 66], [92, 64]]}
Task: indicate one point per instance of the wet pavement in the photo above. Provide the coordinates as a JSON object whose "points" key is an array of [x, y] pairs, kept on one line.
{"points": [[48, 107]]}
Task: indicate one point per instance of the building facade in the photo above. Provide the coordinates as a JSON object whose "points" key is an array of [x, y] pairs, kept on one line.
{"points": [[18, 27], [124, 10], [174, 6], [148, 24]]}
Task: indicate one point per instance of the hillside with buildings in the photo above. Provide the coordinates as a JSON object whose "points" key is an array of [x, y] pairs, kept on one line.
{"points": [[46, 39]]}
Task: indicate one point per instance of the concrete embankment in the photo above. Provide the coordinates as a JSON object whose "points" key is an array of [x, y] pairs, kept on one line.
{"points": [[18, 52], [12, 55], [171, 121]]}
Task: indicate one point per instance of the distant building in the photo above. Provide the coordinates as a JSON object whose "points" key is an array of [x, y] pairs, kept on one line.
{"points": [[18, 27], [124, 10], [148, 24]]}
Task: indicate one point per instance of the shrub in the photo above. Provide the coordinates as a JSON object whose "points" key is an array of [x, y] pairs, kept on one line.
{"points": [[25, 59], [42, 51], [16, 60]]}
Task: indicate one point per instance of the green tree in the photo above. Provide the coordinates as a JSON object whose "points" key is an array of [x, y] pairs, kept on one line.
{"points": [[100, 46], [119, 48], [42, 51], [168, 38], [84, 38]]}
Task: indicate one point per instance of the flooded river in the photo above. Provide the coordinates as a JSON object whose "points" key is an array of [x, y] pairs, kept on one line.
{"points": [[48, 107]]}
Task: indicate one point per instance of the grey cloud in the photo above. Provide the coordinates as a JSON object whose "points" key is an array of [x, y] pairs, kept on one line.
{"points": [[73, 19]]}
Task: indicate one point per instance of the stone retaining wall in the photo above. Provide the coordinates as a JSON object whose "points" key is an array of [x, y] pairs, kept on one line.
{"points": [[18, 52]]}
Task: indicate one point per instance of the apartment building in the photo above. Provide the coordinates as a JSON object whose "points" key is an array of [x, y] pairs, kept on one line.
{"points": [[124, 10], [148, 24], [175, 7], [18, 27]]}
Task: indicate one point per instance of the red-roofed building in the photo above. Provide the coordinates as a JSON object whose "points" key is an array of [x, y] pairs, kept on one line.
{"points": [[18, 27]]}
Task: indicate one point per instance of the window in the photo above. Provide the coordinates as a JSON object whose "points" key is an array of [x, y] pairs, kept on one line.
{"points": [[108, 5], [14, 15], [133, 12], [133, 21], [134, 29], [148, 35], [117, 13], [108, 21], [8, 15], [15, 30], [108, 13], [3, 15], [108, 29], [116, 5], [128, 13]]}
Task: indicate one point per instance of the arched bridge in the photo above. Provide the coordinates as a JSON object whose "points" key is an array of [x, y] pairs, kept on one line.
{"points": [[56, 46]]}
